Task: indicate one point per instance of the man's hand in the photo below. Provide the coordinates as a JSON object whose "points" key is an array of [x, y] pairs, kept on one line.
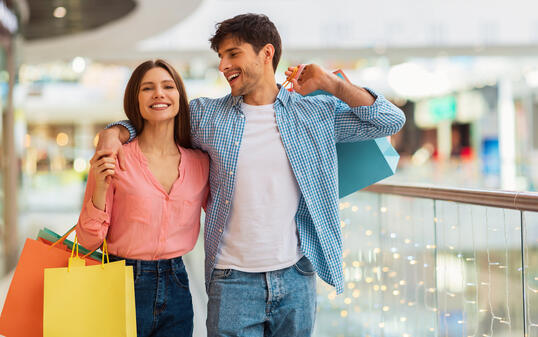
{"points": [[110, 142], [312, 78]]}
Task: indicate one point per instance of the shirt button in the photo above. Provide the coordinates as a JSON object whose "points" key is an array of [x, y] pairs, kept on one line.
{"points": [[220, 230], [231, 172], [236, 143], [167, 198], [227, 202]]}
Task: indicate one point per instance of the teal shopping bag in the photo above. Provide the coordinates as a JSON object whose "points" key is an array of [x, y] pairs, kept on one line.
{"points": [[364, 163], [51, 236]]}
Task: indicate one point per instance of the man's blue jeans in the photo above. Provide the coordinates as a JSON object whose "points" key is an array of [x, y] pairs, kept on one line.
{"points": [[277, 303], [162, 296]]}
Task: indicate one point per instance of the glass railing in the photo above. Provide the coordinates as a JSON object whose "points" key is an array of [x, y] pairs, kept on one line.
{"points": [[435, 262]]}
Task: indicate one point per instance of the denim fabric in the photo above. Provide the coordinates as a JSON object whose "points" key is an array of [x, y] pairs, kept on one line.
{"points": [[276, 303], [163, 300]]}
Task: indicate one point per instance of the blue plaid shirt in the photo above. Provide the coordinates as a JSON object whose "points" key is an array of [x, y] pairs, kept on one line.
{"points": [[310, 127]]}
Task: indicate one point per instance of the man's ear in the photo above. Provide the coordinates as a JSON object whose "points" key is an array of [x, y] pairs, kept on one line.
{"points": [[268, 53]]}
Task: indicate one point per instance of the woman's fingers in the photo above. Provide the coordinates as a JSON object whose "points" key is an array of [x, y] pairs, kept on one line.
{"points": [[107, 159], [104, 160], [105, 175], [106, 166], [101, 154], [108, 172]]}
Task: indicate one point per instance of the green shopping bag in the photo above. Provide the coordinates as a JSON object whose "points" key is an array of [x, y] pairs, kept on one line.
{"points": [[50, 236]]}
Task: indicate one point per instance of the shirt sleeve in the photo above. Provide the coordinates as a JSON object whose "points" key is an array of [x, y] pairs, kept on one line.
{"points": [[126, 124], [378, 120], [92, 225], [196, 106], [205, 165]]}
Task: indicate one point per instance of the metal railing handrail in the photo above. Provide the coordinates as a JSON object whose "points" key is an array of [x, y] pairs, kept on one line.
{"points": [[523, 201]]}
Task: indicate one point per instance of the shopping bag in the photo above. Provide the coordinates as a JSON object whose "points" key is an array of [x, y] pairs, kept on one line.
{"points": [[48, 236], [22, 314], [360, 164], [74, 295]]}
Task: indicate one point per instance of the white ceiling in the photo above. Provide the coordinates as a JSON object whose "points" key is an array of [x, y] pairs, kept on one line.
{"points": [[115, 41], [347, 29]]}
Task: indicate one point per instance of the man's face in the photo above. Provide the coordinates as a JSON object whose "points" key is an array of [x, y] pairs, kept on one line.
{"points": [[242, 67]]}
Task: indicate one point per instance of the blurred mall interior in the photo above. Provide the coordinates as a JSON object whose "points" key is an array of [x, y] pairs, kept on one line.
{"points": [[464, 72]]}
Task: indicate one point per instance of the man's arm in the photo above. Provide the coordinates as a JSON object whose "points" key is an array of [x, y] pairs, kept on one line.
{"points": [[112, 139], [359, 113], [313, 77], [349, 93]]}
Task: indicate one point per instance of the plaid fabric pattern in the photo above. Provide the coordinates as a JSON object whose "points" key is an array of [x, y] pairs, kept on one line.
{"points": [[310, 127]]}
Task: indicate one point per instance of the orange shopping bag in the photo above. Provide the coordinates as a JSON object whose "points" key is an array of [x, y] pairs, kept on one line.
{"points": [[22, 314]]}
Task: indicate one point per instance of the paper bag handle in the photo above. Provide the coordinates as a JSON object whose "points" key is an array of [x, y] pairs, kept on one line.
{"points": [[295, 73], [62, 239], [71, 230], [74, 252], [105, 252]]}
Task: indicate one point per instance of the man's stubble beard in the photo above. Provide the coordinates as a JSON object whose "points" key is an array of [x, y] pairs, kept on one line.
{"points": [[251, 78]]}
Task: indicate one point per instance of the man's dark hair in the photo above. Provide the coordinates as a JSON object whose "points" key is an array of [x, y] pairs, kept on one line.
{"points": [[255, 29]]}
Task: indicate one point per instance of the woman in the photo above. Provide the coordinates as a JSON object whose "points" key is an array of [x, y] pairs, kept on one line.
{"points": [[149, 212]]}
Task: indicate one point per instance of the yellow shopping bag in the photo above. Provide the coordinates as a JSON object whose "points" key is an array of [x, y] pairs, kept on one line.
{"points": [[89, 300]]}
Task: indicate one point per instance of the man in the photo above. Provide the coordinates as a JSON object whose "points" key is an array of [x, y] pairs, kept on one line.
{"points": [[272, 219]]}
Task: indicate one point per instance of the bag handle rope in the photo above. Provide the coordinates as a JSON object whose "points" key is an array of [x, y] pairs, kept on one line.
{"points": [[71, 230], [295, 73]]}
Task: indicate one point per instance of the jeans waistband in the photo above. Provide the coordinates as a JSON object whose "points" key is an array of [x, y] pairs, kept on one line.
{"points": [[156, 266]]}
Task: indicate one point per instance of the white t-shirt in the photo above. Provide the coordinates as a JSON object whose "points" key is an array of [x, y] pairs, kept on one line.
{"points": [[261, 233]]}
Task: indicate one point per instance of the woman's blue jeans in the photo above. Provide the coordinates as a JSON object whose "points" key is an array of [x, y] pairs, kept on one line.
{"points": [[163, 300]]}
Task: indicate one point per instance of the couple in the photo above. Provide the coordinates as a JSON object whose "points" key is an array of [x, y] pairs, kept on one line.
{"points": [[271, 202]]}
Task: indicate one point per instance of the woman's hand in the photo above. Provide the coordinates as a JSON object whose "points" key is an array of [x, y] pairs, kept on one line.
{"points": [[103, 169], [111, 140]]}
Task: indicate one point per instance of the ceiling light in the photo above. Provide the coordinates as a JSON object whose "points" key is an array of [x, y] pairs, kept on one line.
{"points": [[59, 12], [78, 64]]}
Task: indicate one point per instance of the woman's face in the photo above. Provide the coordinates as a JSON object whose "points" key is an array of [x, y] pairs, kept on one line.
{"points": [[158, 98]]}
